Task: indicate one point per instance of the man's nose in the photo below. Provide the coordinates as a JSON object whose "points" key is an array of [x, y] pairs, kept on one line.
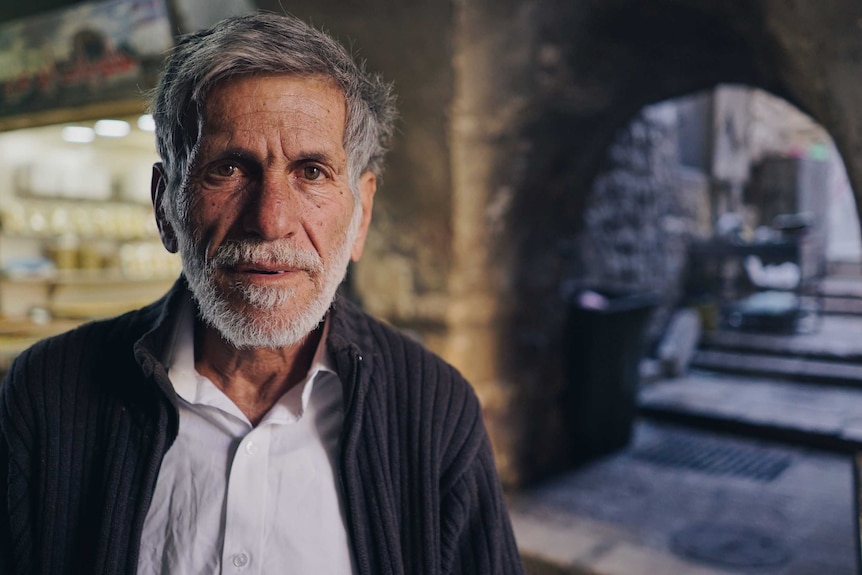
{"points": [[271, 211]]}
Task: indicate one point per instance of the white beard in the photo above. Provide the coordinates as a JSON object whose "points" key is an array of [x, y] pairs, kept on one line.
{"points": [[259, 322]]}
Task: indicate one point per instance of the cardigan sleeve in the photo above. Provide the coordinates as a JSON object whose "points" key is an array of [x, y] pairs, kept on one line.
{"points": [[476, 532], [6, 565], [14, 475]]}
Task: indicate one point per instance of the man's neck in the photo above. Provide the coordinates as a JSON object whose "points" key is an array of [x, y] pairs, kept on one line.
{"points": [[254, 379]]}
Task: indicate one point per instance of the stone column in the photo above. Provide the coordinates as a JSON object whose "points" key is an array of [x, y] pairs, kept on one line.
{"points": [[491, 53]]}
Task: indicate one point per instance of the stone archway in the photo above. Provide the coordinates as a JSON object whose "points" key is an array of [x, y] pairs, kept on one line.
{"points": [[539, 90]]}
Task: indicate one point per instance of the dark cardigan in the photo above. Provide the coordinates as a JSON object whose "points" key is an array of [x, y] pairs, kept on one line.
{"points": [[86, 418]]}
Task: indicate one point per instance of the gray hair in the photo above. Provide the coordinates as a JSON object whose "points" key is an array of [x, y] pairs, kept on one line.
{"points": [[265, 43]]}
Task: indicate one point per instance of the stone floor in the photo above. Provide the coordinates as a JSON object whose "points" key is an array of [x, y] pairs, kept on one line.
{"points": [[636, 512], [786, 505]]}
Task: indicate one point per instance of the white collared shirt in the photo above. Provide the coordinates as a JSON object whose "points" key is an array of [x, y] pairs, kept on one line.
{"points": [[232, 498]]}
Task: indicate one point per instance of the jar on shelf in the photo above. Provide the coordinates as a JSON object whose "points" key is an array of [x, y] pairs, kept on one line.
{"points": [[64, 252]]}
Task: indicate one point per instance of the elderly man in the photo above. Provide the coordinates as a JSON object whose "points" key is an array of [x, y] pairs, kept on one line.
{"points": [[250, 421]]}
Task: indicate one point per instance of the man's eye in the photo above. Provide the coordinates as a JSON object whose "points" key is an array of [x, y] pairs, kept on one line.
{"points": [[311, 172], [226, 170]]}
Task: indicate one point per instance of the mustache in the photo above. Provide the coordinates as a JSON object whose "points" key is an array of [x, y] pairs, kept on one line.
{"points": [[279, 253]]}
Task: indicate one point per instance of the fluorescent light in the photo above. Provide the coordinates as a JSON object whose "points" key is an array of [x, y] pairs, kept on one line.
{"points": [[146, 123], [78, 134], [112, 128]]}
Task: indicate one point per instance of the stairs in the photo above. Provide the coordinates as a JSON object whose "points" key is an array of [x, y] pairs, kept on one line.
{"points": [[842, 295], [809, 370], [805, 388]]}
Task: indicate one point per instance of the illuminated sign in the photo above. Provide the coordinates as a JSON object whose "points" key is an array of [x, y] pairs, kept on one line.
{"points": [[90, 53]]}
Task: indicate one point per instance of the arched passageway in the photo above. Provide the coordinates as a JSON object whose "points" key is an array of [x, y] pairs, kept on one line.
{"points": [[530, 130]]}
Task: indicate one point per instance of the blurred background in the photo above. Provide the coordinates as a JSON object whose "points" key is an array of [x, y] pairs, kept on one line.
{"points": [[632, 225]]}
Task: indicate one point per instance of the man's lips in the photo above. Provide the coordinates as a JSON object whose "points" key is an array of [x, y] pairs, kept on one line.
{"points": [[266, 269]]}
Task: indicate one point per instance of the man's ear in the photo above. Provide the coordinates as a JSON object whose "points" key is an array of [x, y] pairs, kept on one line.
{"points": [[157, 190], [367, 189]]}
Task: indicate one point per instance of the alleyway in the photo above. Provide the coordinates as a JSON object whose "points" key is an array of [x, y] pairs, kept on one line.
{"points": [[741, 466]]}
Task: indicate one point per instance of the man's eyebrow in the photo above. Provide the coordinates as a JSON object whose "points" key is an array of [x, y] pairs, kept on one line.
{"points": [[235, 154], [321, 157]]}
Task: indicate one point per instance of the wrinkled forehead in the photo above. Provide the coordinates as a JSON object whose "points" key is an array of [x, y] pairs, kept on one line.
{"points": [[273, 97]]}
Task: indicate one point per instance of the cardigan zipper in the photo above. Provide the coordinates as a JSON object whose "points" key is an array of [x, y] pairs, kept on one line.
{"points": [[348, 434]]}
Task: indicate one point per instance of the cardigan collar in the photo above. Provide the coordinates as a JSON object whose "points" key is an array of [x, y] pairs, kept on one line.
{"points": [[349, 342]]}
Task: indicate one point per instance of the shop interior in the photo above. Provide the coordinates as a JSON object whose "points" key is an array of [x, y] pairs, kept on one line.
{"points": [[78, 239]]}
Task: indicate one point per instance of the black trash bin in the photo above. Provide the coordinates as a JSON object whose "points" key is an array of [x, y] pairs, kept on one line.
{"points": [[604, 343]]}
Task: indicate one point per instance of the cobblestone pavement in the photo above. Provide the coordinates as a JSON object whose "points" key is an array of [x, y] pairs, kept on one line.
{"points": [[779, 510]]}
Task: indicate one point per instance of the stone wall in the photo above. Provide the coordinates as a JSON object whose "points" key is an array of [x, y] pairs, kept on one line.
{"points": [[641, 213]]}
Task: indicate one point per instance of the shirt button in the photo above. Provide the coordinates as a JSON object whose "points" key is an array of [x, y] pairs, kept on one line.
{"points": [[240, 560], [251, 447]]}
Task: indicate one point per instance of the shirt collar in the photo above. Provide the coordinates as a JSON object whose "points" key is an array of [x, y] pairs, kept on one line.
{"points": [[196, 389]]}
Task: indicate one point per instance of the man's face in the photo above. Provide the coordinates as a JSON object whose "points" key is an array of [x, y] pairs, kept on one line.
{"points": [[272, 220]]}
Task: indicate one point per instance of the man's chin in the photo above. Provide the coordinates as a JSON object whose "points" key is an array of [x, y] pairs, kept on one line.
{"points": [[247, 325], [247, 331]]}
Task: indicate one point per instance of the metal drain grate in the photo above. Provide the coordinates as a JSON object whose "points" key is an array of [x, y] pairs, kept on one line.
{"points": [[715, 458]]}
